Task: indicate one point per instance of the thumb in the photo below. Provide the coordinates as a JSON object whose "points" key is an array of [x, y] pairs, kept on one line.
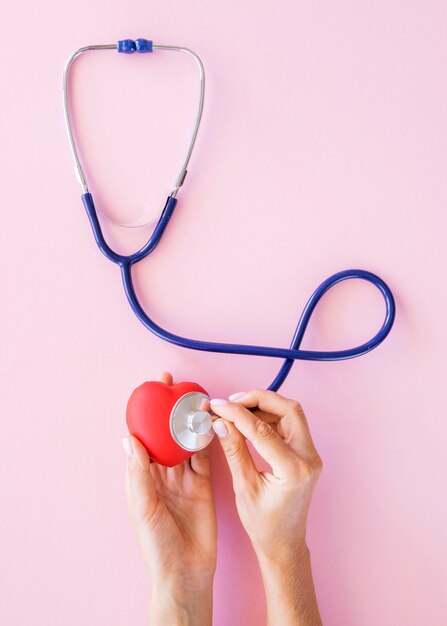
{"points": [[237, 454], [140, 488]]}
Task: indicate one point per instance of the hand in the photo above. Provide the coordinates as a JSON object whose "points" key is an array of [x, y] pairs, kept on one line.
{"points": [[173, 516], [273, 505]]}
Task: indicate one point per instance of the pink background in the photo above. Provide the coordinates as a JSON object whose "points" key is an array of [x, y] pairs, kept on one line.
{"points": [[323, 147]]}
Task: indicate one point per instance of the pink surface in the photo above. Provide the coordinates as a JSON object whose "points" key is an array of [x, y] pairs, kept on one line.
{"points": [[323, 147]]}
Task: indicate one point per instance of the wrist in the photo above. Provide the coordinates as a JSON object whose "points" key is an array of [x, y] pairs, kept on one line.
{"points": [[181, 599], [288, 584], [279, 561], [282, 552]]}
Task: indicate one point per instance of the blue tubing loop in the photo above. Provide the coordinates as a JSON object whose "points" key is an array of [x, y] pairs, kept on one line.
{"points": [[291, 354]]}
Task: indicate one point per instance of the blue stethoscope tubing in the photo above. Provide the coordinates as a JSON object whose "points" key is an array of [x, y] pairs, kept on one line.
{"points": [[291, 354]]}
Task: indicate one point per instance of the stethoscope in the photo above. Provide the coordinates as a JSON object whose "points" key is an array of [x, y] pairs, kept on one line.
{"points": [[126, 262]]}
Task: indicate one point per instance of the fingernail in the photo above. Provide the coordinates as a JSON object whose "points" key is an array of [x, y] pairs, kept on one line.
{"points": [[218, 402], [127, 445], [237, 396], [220, 429]]}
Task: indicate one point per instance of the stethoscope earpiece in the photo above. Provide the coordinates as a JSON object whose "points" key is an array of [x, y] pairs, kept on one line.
{"points": [[129, 46]]}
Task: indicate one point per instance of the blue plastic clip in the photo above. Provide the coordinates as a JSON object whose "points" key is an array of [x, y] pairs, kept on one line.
{"points": [[127, 46], [143, 45]]}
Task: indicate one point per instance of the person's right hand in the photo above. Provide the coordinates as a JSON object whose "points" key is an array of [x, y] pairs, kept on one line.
{"points": [[272, 506]]}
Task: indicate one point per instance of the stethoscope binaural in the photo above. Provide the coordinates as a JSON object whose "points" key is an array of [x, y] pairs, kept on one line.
{"points": [[126, 262]]}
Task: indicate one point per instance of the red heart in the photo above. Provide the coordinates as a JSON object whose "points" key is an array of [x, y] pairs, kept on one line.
{"points": [[148, 412]]}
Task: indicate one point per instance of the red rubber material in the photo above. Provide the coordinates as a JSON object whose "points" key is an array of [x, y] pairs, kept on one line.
{"points": [[148, 412]]}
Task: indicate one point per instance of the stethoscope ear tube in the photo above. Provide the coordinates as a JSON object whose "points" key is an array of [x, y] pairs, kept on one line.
{"points": [[129, 46]]}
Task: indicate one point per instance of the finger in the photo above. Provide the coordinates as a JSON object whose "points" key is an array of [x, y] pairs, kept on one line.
{"points": [[270, 418], [174, 475], [261, 434], [165, 377], [200, 463], [158, 473], [205, 405], [240, 462], [292, 423], [267, 405], [141, 493], [268, 401]]}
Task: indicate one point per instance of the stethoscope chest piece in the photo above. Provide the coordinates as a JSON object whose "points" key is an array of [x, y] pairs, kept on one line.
{"points": [[171, 421], [190, 424]]}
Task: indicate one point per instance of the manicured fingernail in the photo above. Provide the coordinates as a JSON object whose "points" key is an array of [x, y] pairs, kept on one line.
{"points": [[236, 396], [220, 429], [127, 445], [218, 402]]}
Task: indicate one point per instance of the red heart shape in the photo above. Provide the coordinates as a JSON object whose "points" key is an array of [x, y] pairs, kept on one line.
{"points": [[148, 413]]}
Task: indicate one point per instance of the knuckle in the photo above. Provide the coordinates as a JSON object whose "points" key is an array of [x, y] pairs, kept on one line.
{"points": [[147, 515], [263, 430], [302, 472], [318, 464], [296, 407], [134, 470], [232, 448], [306, 472]]}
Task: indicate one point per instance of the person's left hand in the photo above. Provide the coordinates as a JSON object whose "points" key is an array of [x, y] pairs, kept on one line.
{"points": [[173, 515]]}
